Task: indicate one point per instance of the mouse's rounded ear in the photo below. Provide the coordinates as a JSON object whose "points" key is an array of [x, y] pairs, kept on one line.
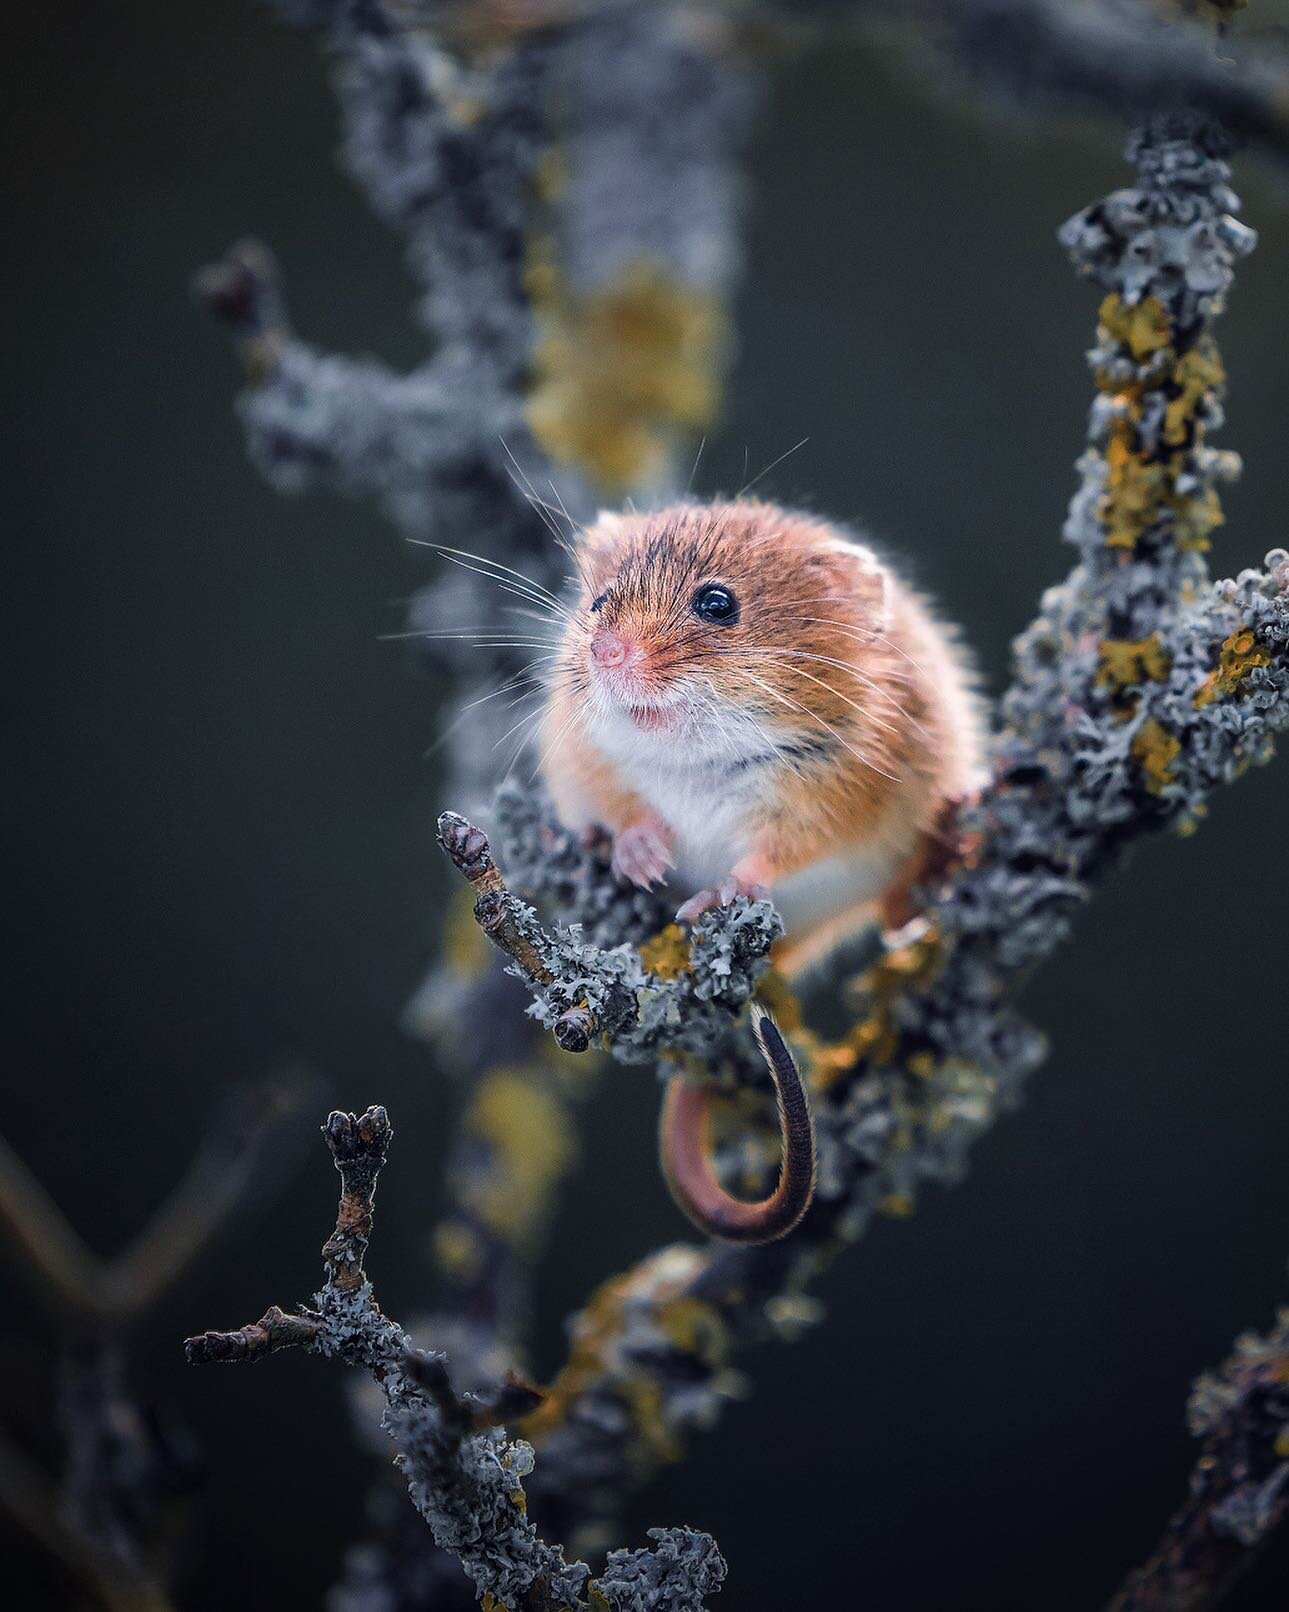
{"points": [[864, 578]]}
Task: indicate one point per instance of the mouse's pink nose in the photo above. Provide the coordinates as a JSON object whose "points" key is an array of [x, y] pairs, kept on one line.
{"points": [[611, 649]]}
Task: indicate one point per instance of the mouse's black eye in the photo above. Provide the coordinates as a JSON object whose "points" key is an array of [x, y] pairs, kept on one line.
{"points": [[714, 603], [596, 603]]}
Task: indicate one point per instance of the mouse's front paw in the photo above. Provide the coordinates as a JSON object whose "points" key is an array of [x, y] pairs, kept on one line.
{"points": [[703, 900], [642, 853]]}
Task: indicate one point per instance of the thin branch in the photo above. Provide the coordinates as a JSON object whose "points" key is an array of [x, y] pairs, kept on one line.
{"points": [[359, 1148], [510, 925], [224, 1175], [275, 1329], [54, 1254], [258, 1122]]}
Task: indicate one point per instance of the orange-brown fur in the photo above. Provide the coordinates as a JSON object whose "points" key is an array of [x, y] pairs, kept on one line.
{"points": [[830, 629], [830, 725]]}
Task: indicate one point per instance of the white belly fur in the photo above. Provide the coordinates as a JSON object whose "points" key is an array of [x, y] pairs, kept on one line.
{"points": [[713, 810]]}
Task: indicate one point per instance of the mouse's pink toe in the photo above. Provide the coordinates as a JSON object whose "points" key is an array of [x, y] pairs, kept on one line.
{"points": [[735, 886], [700, 902], [704, 900], [642, 854]]}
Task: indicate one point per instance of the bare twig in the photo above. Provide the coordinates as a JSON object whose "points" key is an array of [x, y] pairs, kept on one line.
{"points": [[275, 1329], [359, 1148], [510, 925]]}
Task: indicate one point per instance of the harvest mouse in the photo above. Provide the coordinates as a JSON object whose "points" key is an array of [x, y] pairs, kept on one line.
{"points": [[753, 703]]}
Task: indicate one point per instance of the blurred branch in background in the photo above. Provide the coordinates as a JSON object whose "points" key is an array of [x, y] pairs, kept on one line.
{"points": [[122, 1464], [1131, 58], [1239, 1490]]}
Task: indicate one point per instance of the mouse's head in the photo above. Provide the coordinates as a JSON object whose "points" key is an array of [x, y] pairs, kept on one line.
{"points": [[724, 626]]}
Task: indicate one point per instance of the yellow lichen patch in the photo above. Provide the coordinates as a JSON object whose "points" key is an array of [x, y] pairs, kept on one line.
{"points": [[833, 1060], [550, 177], [1191, 819], [1195, 373], [1195, 518], [596, 1357], [873, 1040], [775, 995], [1135, 490], [666, 954], [529, 1148], [1141, 484], [1155, 750], [457, 1250], [1123, 662], [696, 1328], [541, 267], [876, 1039], [618, 371], [654, 1444], [1142, 327], [1237, 657]]}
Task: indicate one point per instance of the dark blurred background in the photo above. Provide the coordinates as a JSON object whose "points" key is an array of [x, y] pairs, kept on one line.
{"points": [[218, 826]]}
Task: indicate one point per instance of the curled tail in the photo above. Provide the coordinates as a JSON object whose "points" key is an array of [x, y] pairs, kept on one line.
{"points": [[684, 1144]]}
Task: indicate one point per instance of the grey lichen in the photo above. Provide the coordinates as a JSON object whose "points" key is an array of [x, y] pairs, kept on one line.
{"points": [[467, 1486], [681, 1569], [683, 1000]]}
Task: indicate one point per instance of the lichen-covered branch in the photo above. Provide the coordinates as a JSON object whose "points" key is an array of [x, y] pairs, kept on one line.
{"points": [[677, 996], [1239, 1488], [562, 189], [464, 1474]]}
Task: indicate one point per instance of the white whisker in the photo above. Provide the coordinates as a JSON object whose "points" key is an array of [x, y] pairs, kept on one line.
{"points": [[774, 463], [792, 705]]}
